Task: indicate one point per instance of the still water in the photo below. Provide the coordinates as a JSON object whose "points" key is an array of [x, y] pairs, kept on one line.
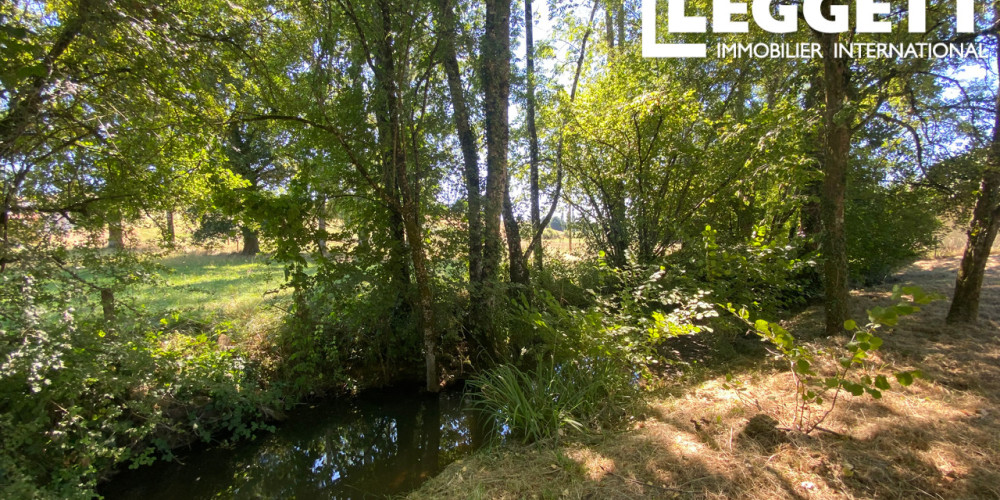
{"points": [[379, 444]]}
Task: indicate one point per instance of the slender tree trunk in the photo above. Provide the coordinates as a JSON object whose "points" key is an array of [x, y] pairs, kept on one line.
{"points": [[108, 304], [810, 219], [425, 296], [569, 228], [609, 24], [496, 94], [388, 124], [837, 127], [477, 321], [536, 238], [251, 242], [536, 217], [467, 141], [408, 210], [982, 233], [620, 9], [171, 232], [518, 267]]}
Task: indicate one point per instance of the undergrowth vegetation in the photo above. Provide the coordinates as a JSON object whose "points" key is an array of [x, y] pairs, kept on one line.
{"points": [[82, 391], [735, 429]]}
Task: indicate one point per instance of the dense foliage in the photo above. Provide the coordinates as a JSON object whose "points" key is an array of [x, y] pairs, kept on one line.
{"points": [[378, 152]]}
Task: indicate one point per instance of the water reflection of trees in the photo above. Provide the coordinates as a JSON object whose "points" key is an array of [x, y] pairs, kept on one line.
{"points": [[381, 445], [367, 451]]}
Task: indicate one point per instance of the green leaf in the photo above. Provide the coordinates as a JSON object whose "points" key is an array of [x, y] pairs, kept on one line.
{"points": [[854, 389], [761, 326], [874, 342], [904, 378], [883, 315], [850, 325], [802, 366], [882, 383]]}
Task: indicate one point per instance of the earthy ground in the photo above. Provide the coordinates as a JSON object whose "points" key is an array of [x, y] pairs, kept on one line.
{"points": [[939, 438]]}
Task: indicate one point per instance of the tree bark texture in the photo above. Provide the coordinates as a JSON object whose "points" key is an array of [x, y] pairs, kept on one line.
{"points": [[536, 217], [495, 56], [837, 127], [467, 141]]}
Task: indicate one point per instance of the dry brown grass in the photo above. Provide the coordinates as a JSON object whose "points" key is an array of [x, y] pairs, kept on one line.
{"points": [[939, 438]]}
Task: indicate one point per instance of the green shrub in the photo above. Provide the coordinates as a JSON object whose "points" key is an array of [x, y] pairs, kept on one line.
{"points": [[887, 228], [766, 273]]}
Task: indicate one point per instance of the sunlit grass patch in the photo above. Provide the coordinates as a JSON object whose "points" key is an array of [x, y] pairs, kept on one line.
{"points": [[240, 296]]}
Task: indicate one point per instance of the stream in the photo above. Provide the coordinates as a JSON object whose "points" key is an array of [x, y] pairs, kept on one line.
{"points": [[378, 444]]}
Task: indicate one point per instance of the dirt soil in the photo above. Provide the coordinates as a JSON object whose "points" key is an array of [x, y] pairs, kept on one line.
{"points": [[939, 438]]}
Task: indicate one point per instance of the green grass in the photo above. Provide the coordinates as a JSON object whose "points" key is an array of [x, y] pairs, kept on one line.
{"points": [[243, 291]]}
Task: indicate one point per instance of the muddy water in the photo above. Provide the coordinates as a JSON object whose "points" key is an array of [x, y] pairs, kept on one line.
{"points": [[379, 444]]}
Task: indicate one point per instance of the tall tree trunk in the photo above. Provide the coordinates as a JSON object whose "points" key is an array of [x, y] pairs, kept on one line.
{"points": [[620, 9], [425, 296], [536, 217], [477, 320], [536, 239], [982, 233], [837, 127], [408, 208], [496, 93], [251, 242], [810, 219], [393, 155], [495, 57], [466, 139]]}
